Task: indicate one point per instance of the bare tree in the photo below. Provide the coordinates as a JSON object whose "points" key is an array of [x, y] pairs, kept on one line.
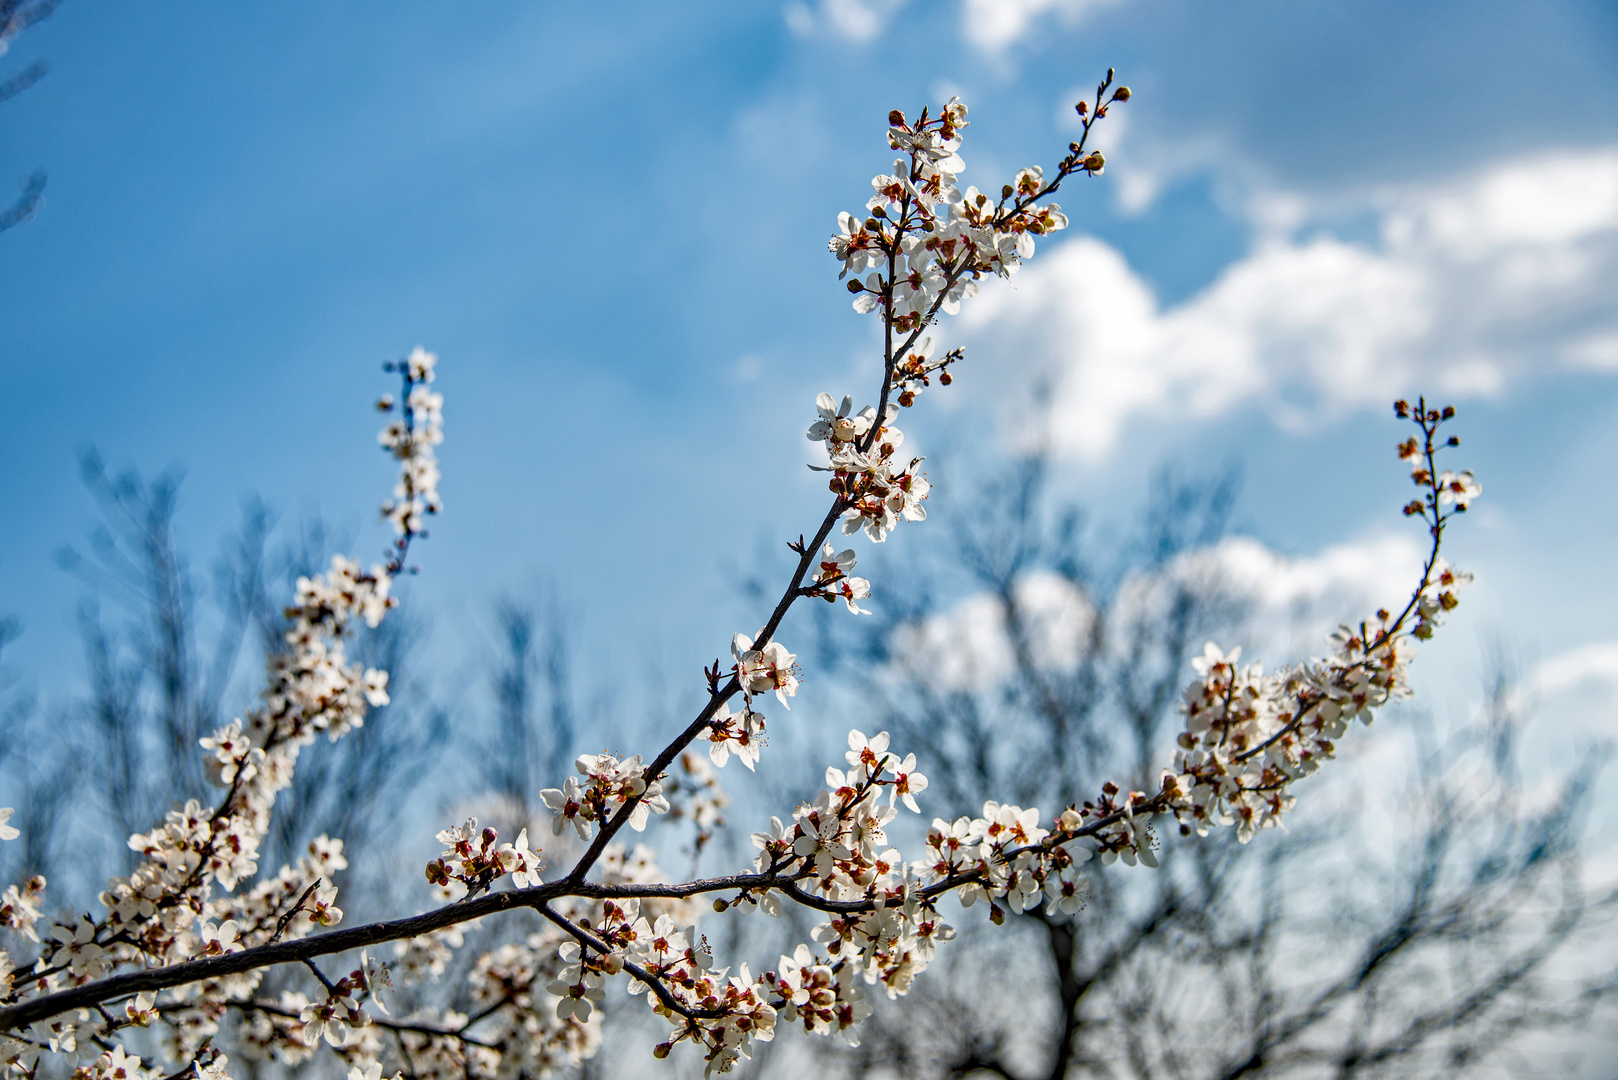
{"points": [[1415, 946], [15, 17], [163, 647], [534, 704]]}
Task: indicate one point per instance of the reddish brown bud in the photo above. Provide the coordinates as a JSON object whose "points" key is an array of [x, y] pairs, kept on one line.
{"points": [[1401, 408], [661, 1050], [1082, 108], [1449, 411], [945, 378], [896, 119], [855, 286], [1121, 94], [907, 399]]}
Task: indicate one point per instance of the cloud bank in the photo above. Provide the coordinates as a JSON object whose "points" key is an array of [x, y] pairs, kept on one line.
{"points": [[1467, 288], [1293, 603]]}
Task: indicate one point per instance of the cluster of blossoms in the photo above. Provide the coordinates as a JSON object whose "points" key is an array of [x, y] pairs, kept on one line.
{"points": [[834, 578], [610, 784], [765, 668], [878, 489], [411, 439], [180, 902], [740, 733], [471, 863], [532, 1001], [925, 242], [1248, 737]]}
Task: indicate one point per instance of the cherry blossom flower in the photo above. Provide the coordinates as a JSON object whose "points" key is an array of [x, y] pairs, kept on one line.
{"points": [[835, 424], [566, 805], [907, 783], [741, 733], [1458, 489], [765, 669], [519, 862]]}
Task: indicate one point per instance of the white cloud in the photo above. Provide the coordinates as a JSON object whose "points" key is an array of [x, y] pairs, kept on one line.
{"points": [[1293, 603], [1598, 352], [851, 20], [992, 25], [1596, 662], [967, 647], [1499, 277]]}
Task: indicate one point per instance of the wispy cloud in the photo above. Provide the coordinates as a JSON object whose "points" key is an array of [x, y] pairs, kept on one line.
{"points": [[1292, 603], [1596, 662], [993, 25], [850, 20], [1468, 286]]}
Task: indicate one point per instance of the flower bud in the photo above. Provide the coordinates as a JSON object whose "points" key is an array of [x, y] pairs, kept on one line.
{"points": [[1121, 94], [1082, 108], [945, 378], [896, 119], [661, 1050], [719, 905]]}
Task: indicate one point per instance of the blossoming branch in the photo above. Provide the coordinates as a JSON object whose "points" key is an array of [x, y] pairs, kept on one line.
{"points": [[184, 941]]}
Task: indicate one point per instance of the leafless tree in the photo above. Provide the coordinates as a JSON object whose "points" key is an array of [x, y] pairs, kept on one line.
{"points": [[1414, 943], [15, 17], [164, 655]]}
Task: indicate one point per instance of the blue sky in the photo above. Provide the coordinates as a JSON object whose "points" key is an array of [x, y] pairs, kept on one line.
{"points": [[610, 223]]}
